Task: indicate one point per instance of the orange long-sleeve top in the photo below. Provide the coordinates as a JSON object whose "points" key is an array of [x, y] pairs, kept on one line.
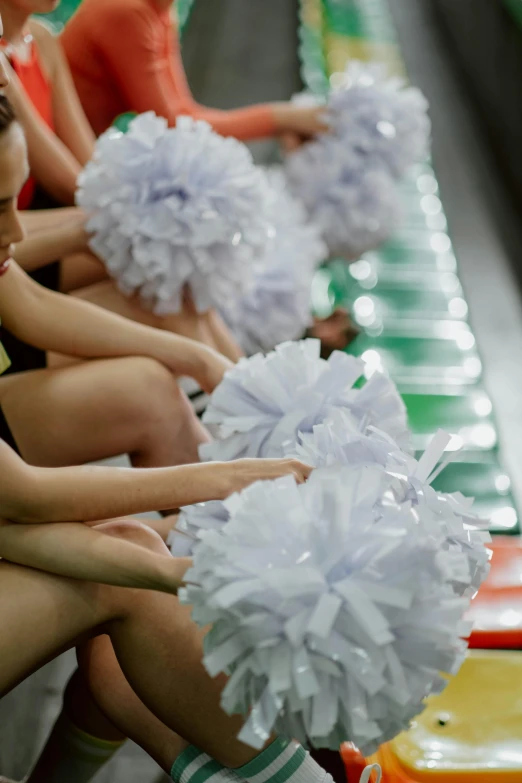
{"points": [[125, 57]]}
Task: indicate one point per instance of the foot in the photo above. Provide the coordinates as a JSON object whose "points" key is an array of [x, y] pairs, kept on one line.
{"points": [[335, 332]]}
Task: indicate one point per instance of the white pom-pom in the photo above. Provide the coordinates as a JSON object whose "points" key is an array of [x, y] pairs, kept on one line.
{"points": [[339, 442], [333, 605], [175, 208], [354, 203], [264, 402], [277, 308], [192, 522], [346, 177], [383, 119]]}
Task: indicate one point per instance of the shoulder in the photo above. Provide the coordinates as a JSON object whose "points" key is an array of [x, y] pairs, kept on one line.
{"points": [[43, 33], [47, 45]]}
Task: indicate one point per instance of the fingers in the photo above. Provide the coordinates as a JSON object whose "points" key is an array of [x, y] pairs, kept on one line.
{"points": [[180, 566], [290, 141], [300, 471], [323, 121], [268, 470]]}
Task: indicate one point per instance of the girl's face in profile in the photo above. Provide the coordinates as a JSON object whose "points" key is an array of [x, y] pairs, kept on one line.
{"points": [[14, 170]]}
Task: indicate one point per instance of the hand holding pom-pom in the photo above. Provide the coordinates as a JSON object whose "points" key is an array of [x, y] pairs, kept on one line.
{"points": [[175, 208], [334, 605], [264, 402]]}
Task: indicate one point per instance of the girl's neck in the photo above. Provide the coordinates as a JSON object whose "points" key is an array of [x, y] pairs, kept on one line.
{"points": [[15, 21]]}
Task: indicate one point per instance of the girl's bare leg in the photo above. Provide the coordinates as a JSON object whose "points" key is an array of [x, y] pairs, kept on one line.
{"points": [[206, 328], [158, 648], [101, 685], [100, 409], [224, 339]]}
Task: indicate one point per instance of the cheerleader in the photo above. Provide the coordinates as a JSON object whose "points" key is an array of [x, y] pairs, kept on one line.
{"points": [[140, 69], [63, 582], [60, 142]]}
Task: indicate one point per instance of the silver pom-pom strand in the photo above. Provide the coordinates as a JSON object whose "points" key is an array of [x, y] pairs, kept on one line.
{"points": [[339, 442], [176, 209], [277, 307], [191, 524], [335, 605], [381, 117], [353, 201], [264, 402]]}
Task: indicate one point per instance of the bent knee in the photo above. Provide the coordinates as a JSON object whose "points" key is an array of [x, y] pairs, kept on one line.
{"points": [[154, 383], [136, 532]]}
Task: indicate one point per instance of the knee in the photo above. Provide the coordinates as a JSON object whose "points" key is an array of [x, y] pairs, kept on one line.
{"points": [[136, 532], [154, 389]]}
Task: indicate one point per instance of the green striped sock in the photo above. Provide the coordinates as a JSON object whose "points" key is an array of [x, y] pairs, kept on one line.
{"points": [[194, 766], [281, 762]]}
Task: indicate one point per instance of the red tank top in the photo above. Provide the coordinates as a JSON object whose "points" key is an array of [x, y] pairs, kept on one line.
{"points": [[39, 91]]}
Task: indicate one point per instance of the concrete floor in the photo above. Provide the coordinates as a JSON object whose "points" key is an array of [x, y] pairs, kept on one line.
{"points": [[239, 52]]}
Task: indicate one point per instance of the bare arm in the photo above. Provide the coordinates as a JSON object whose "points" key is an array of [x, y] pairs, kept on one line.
{"points": [[52, 164], [43, 246], [151, 83], [71, 124], [79, 552], [32, 495], [63, 324], [42, 219]]}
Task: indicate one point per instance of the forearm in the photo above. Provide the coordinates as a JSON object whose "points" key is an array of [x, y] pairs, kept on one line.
{"points": [[87, 493], [54, 322], [246, 124], [43, 219], [80, 552], [41, 247], [33, 496]]}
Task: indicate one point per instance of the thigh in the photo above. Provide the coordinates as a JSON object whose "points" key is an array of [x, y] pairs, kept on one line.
{"points": [[82, 413], [41, 616], [106, 294]]}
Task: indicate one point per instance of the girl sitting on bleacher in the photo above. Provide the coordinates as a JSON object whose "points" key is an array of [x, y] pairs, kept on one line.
{"points": [[61, 580], [61, 141]]}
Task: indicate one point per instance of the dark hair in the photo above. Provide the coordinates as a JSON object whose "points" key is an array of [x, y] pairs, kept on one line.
{"points": [[7, 115]]}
